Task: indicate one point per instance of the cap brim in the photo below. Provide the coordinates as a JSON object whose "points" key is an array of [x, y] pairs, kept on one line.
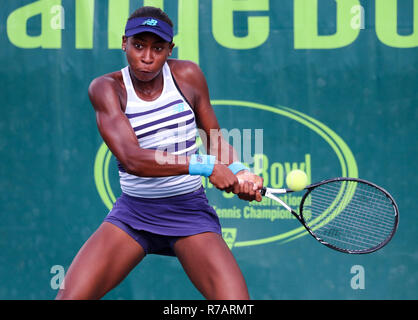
{"points": [[142, 29]]}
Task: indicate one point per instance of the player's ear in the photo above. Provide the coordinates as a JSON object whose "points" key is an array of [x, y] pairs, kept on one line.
{"points": [[170, 48], [124, 42]]}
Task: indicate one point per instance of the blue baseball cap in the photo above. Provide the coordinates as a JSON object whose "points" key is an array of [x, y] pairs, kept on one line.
{"points": [[148, 24]]}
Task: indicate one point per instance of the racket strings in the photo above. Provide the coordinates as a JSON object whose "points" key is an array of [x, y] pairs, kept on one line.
{"points": [[381, 202], [352, 227], [358, 205], [355, 221], [358, 228], [350, 215]]}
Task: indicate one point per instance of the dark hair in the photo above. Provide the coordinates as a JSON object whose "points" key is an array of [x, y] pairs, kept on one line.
{"points": [[151, 12]]}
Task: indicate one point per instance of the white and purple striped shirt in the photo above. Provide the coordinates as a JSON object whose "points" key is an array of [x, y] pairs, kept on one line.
{"points": [[167, 124]]}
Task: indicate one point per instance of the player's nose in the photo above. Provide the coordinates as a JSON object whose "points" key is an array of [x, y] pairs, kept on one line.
{"points": [[147, 57]]}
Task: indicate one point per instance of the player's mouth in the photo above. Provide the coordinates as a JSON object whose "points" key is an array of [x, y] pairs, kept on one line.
{"points": [[145, 74]]}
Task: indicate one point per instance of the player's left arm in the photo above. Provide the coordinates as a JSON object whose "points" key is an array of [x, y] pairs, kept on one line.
{"points": [[193, 85]]}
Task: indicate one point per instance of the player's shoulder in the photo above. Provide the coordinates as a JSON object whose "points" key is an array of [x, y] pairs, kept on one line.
{"points": [[185, 70], [107, 91], [108, 82]]}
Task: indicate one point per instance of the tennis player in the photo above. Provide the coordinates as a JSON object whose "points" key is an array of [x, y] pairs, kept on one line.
{"points": [[148, 114]]}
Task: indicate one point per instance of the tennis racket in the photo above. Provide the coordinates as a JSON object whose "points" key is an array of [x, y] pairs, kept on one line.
{"points": [[345, 214]]}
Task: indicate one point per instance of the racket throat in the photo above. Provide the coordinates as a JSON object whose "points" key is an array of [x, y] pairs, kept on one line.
{"points": [[272, 196]]}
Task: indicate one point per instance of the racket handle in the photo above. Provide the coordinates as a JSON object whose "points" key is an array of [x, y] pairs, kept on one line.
{"points": [[263, 191]]}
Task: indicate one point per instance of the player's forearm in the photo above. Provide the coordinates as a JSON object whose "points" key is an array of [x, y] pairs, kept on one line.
{"points": [[227, 154], [155, 163], [222, 150]]}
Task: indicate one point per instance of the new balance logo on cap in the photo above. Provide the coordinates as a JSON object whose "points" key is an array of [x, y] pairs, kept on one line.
{"points": [[150, 22]]}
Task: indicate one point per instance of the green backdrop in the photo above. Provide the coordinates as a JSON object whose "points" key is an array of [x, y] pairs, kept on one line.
{"points": [[333, 85]]}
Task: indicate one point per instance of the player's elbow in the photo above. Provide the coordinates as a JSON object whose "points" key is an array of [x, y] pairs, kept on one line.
{"points": [[134, 170], [132, 167], [141, 162], [131, 162]]}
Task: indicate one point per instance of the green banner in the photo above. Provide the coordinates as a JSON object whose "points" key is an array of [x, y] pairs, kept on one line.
{"points": [[331, 87]]}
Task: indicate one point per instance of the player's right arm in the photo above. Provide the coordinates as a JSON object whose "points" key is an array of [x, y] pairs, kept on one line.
{"points": [[118, 134]]}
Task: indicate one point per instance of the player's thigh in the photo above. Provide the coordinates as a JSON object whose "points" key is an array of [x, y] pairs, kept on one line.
{"points": [[211, 266], [103, 262]]}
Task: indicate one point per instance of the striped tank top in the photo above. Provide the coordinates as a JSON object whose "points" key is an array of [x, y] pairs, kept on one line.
{"points": [[167, 124]]}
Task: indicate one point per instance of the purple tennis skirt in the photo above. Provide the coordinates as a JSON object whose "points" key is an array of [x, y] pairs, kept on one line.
{"points": [[156, 223]]}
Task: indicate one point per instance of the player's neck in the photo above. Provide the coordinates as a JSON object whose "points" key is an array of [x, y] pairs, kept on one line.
{"points": [[149, 90]]}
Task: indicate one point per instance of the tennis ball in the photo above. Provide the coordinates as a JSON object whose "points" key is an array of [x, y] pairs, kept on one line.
{"points": [[296, 180]]}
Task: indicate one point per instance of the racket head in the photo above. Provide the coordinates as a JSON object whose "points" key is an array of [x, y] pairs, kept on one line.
{"points": [[349, 215]]}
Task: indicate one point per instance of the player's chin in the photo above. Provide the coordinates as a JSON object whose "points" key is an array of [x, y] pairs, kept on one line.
{"points": [[146, 76]]}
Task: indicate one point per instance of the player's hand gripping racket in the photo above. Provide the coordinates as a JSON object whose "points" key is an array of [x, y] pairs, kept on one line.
{"points": [[346, 214]]}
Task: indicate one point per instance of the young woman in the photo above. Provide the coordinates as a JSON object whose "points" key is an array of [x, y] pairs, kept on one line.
{"points": [[148, 114]]}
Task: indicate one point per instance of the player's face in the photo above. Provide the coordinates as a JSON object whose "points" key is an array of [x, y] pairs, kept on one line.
{"points": [[146, 54]]}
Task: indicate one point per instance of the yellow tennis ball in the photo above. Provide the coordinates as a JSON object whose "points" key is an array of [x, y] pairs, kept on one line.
{"points": [[296, 180]]}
